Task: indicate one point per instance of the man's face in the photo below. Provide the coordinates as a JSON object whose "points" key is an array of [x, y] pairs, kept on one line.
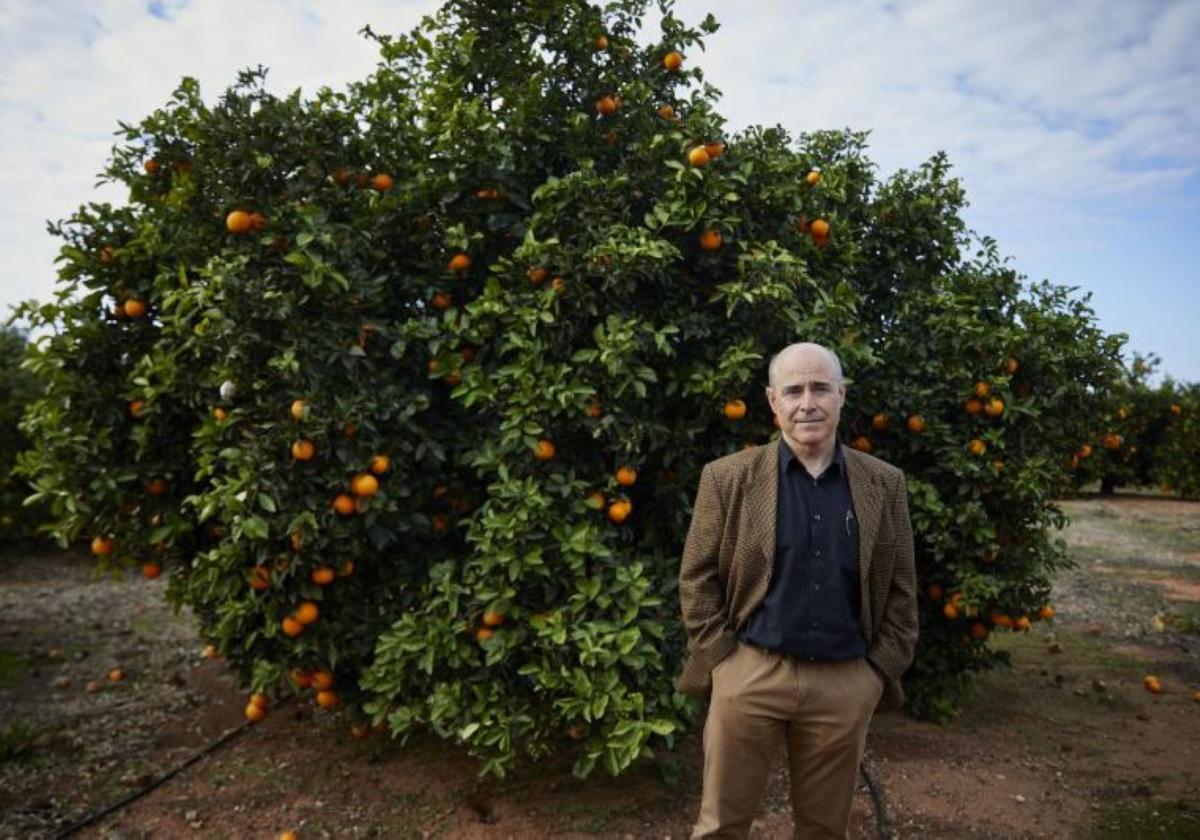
{"points": [[806, 397]]}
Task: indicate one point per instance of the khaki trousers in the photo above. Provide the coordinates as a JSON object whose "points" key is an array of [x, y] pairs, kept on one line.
{"points": [[761, 700]]}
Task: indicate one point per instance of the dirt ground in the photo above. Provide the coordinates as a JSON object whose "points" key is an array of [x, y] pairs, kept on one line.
{"points": [[1066, 744]]}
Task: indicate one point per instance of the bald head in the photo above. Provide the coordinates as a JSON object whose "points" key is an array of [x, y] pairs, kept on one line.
{"points": [[801, 350]]}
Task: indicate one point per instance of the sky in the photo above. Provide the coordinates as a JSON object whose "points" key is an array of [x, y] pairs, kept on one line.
{"points": [[1074, 125]]}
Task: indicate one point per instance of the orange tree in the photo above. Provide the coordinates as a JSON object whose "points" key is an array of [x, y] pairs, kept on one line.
{"points": [[18, 387], [407, 387], [1119, 448], [1177, 458]]}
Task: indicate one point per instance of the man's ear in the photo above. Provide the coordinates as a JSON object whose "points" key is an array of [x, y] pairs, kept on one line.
{"points": [[770, 398]]}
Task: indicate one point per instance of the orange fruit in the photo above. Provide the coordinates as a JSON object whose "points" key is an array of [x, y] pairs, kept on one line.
{"points": [[116, 675], [382, 182], [606, 106], [666, 112], [1011, 365], [307, 612], [137, 409], [976, 446], [982, 389], [260, 578], [915, 424], [1111, 441], [973, 406], [364, 484], [259, 699], [323, 575], [210, 652], [346, 568], [442, 301], [156, 487], [672, 61], [1022, 623], [626, 476], [1153, 684], [151, 166], [994, 407], [257, 222], [340, 176], [1085, 451], [102, 546], [734, 409], [595, 500], [861, 443], [593, 409], [343, 504], [600, 43], [493, 619], [537, 275], [820, 228], [1177, 410], [459, 262], [544, 450], [715, 149], [1046, 613], [710, 240], [301, 677], [134, 308], [950, 611], [558, 285], [812, 178], [291, 627], [698, 156], [299, 409], [619, 510], [321, 679], [255, 712], [327, 699], [484, 633], [238, 221], [380, 464], [1001, 620], [879, 422], [151, 570], [303, 450]]}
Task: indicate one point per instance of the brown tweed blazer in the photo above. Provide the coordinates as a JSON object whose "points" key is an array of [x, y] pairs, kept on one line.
{"points": [[730, 552]]}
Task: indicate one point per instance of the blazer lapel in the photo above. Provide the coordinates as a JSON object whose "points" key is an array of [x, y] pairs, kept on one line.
{"points": [[762, 490], [868, 506]]}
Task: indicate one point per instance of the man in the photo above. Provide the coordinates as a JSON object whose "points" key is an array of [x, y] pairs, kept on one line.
{"points": [[799, 598]]}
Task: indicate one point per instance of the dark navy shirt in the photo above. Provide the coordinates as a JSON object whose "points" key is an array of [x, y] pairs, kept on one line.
{"points": [[812, 605]]}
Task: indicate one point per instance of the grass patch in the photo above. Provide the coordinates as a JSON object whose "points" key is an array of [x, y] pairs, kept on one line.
{"points": [[16, 741], [13, 667], [1147, 819]]}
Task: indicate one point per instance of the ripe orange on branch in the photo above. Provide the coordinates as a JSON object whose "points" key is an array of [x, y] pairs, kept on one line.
{"points": [[710, 240], [459, 263], [619, 510], [698, 156], [672, 61], [303, 450], [606, 106], [734, 409], [627, 476], [343, 504], [102, 546], [544, 450], [915, 424], [382, 182], [380, 464], [239, 222], [364, 484]]}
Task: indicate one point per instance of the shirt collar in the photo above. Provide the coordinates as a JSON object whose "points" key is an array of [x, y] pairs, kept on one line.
{"points": [[787, 457]]}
